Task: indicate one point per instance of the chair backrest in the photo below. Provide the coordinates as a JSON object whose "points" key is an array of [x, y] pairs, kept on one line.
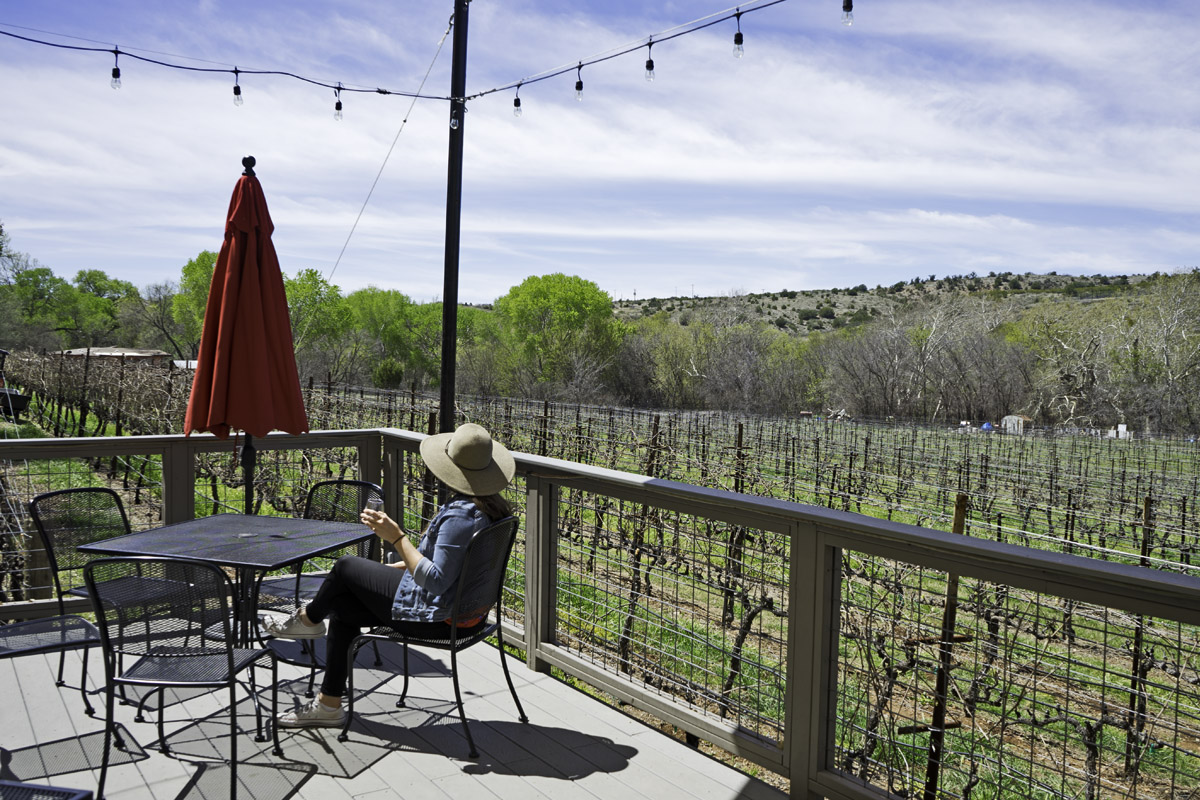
{"points": [[481, 577], [340, 500], [70, 517], [165, 605]]}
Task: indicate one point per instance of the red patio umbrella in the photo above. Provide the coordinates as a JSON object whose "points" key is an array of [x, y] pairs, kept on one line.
{"points": [[246, 375]]}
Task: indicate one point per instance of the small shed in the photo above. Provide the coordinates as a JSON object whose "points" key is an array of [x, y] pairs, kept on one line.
{"points": [[1015, 423], [154, 358]]}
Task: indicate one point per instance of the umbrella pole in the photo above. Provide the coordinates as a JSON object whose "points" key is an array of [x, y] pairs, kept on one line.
{"points": [[249, 458]]}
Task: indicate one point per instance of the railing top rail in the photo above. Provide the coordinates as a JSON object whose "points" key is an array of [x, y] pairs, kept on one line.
{"points": [[18, 449], [1125, 586]]}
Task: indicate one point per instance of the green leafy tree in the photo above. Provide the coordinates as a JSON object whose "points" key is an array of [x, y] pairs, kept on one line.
{"points": [[89, 315], [187, 306], [561, 332], [321, 324]]}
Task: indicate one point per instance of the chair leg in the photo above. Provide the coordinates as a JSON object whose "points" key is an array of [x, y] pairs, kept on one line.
{"points": [[508, 677], [233, 737], [404, 691], [109, 702], [87, 704], [355, 644], [162, 731], [259, 736], [312, 666], [62, 660], [462, 714], [278, 750]]}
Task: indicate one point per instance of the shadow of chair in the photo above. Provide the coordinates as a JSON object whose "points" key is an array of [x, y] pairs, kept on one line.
{"points": [[178, 635], [337, 500], [477, 614], [64, 520]]}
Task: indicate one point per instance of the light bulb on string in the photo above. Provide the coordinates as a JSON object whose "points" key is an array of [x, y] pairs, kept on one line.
{"points": [[847, 12], [738, 50], [579, 82], [650, 61], [337, 105], [517, 102], [116, 72], [237, 89]]}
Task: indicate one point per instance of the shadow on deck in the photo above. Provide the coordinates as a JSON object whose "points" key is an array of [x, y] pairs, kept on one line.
{"points": [[573, 746]]}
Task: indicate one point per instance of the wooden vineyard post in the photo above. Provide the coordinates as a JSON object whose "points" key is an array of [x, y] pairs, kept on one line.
{"points": [[1136, 719], [937, 727]]}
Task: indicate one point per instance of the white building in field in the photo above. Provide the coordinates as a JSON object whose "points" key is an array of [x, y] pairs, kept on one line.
{"points": [[1015, 424]]}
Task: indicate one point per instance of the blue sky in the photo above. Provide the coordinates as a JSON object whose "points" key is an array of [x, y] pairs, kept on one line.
{"points": [[930, 138]]}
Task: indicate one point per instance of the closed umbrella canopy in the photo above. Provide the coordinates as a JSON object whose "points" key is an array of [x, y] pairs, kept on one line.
{"points": [[245, 376]]}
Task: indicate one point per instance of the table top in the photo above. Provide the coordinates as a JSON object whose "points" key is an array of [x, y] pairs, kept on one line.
{"points": [[237, 540]]}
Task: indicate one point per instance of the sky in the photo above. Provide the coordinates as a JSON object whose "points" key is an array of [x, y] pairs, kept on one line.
{"points": [[928, 138]]}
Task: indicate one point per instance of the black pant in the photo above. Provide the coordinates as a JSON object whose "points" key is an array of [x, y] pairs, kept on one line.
{"points": [[357, 593]]}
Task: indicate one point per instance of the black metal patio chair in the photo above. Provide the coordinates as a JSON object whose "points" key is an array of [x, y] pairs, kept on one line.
{"points": [[178, 636], [334, 501], [477, 614], [66, 519], [48, 635], [338, 500]]}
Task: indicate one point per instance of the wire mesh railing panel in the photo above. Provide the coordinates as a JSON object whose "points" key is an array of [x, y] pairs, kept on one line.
{"points": [[951, 688], [282, 480], [24, 567], [682, 605]]}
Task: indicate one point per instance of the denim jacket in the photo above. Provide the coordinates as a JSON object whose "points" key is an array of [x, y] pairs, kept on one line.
{"points": [[427, 594]]}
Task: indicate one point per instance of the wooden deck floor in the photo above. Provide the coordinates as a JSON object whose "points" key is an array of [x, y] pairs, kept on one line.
{"points": [[572, 747]]}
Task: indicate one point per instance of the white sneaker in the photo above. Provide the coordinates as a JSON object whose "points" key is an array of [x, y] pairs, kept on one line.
{"points": [[291, 627], [312, 715]]}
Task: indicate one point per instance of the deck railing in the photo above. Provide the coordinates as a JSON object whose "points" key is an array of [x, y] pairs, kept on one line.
{"points": [[861, 658]]}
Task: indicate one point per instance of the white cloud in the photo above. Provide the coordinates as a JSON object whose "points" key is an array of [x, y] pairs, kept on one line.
{"points": [[930, 138]]}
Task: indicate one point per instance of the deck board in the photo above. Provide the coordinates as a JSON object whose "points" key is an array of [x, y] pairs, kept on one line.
{"points": [[573, 748]]}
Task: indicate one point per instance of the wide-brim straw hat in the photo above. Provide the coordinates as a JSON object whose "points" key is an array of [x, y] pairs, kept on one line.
{"points": [[468, 461]]}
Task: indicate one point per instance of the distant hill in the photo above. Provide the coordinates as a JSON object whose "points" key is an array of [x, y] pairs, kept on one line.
{"points": [[806, 311]]}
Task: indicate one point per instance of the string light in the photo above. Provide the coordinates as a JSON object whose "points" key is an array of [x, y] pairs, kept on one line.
{"points": [[116, 72], [337, 106], [847, 12], [695, 26], [685, 29], [650, 61], [517, 102]]}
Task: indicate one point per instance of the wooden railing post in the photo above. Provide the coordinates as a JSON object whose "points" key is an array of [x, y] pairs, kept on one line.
{"points": [[179, 481], [813, 603], [541, 562]]}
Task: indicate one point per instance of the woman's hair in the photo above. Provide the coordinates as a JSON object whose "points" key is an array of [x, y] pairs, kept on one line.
{"points": [[494, 506]]}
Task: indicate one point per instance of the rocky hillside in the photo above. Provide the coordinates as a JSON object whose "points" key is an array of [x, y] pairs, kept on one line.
{"points": [[806, 311]]}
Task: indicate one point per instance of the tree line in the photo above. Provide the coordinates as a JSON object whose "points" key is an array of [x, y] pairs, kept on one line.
{"points": [[1130, 354]]}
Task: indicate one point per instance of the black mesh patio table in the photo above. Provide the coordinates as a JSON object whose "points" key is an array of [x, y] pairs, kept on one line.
{"points": [[248, 544]]}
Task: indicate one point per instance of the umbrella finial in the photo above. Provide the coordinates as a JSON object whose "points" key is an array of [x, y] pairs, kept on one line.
{"points": [[248, 162]]}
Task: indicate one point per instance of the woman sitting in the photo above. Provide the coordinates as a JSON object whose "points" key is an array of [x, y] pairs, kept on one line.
{"points": [[414, 594]]}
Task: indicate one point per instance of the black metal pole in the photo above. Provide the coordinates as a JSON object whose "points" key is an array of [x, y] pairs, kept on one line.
{"points": [[458, 108], [249, 461]]}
